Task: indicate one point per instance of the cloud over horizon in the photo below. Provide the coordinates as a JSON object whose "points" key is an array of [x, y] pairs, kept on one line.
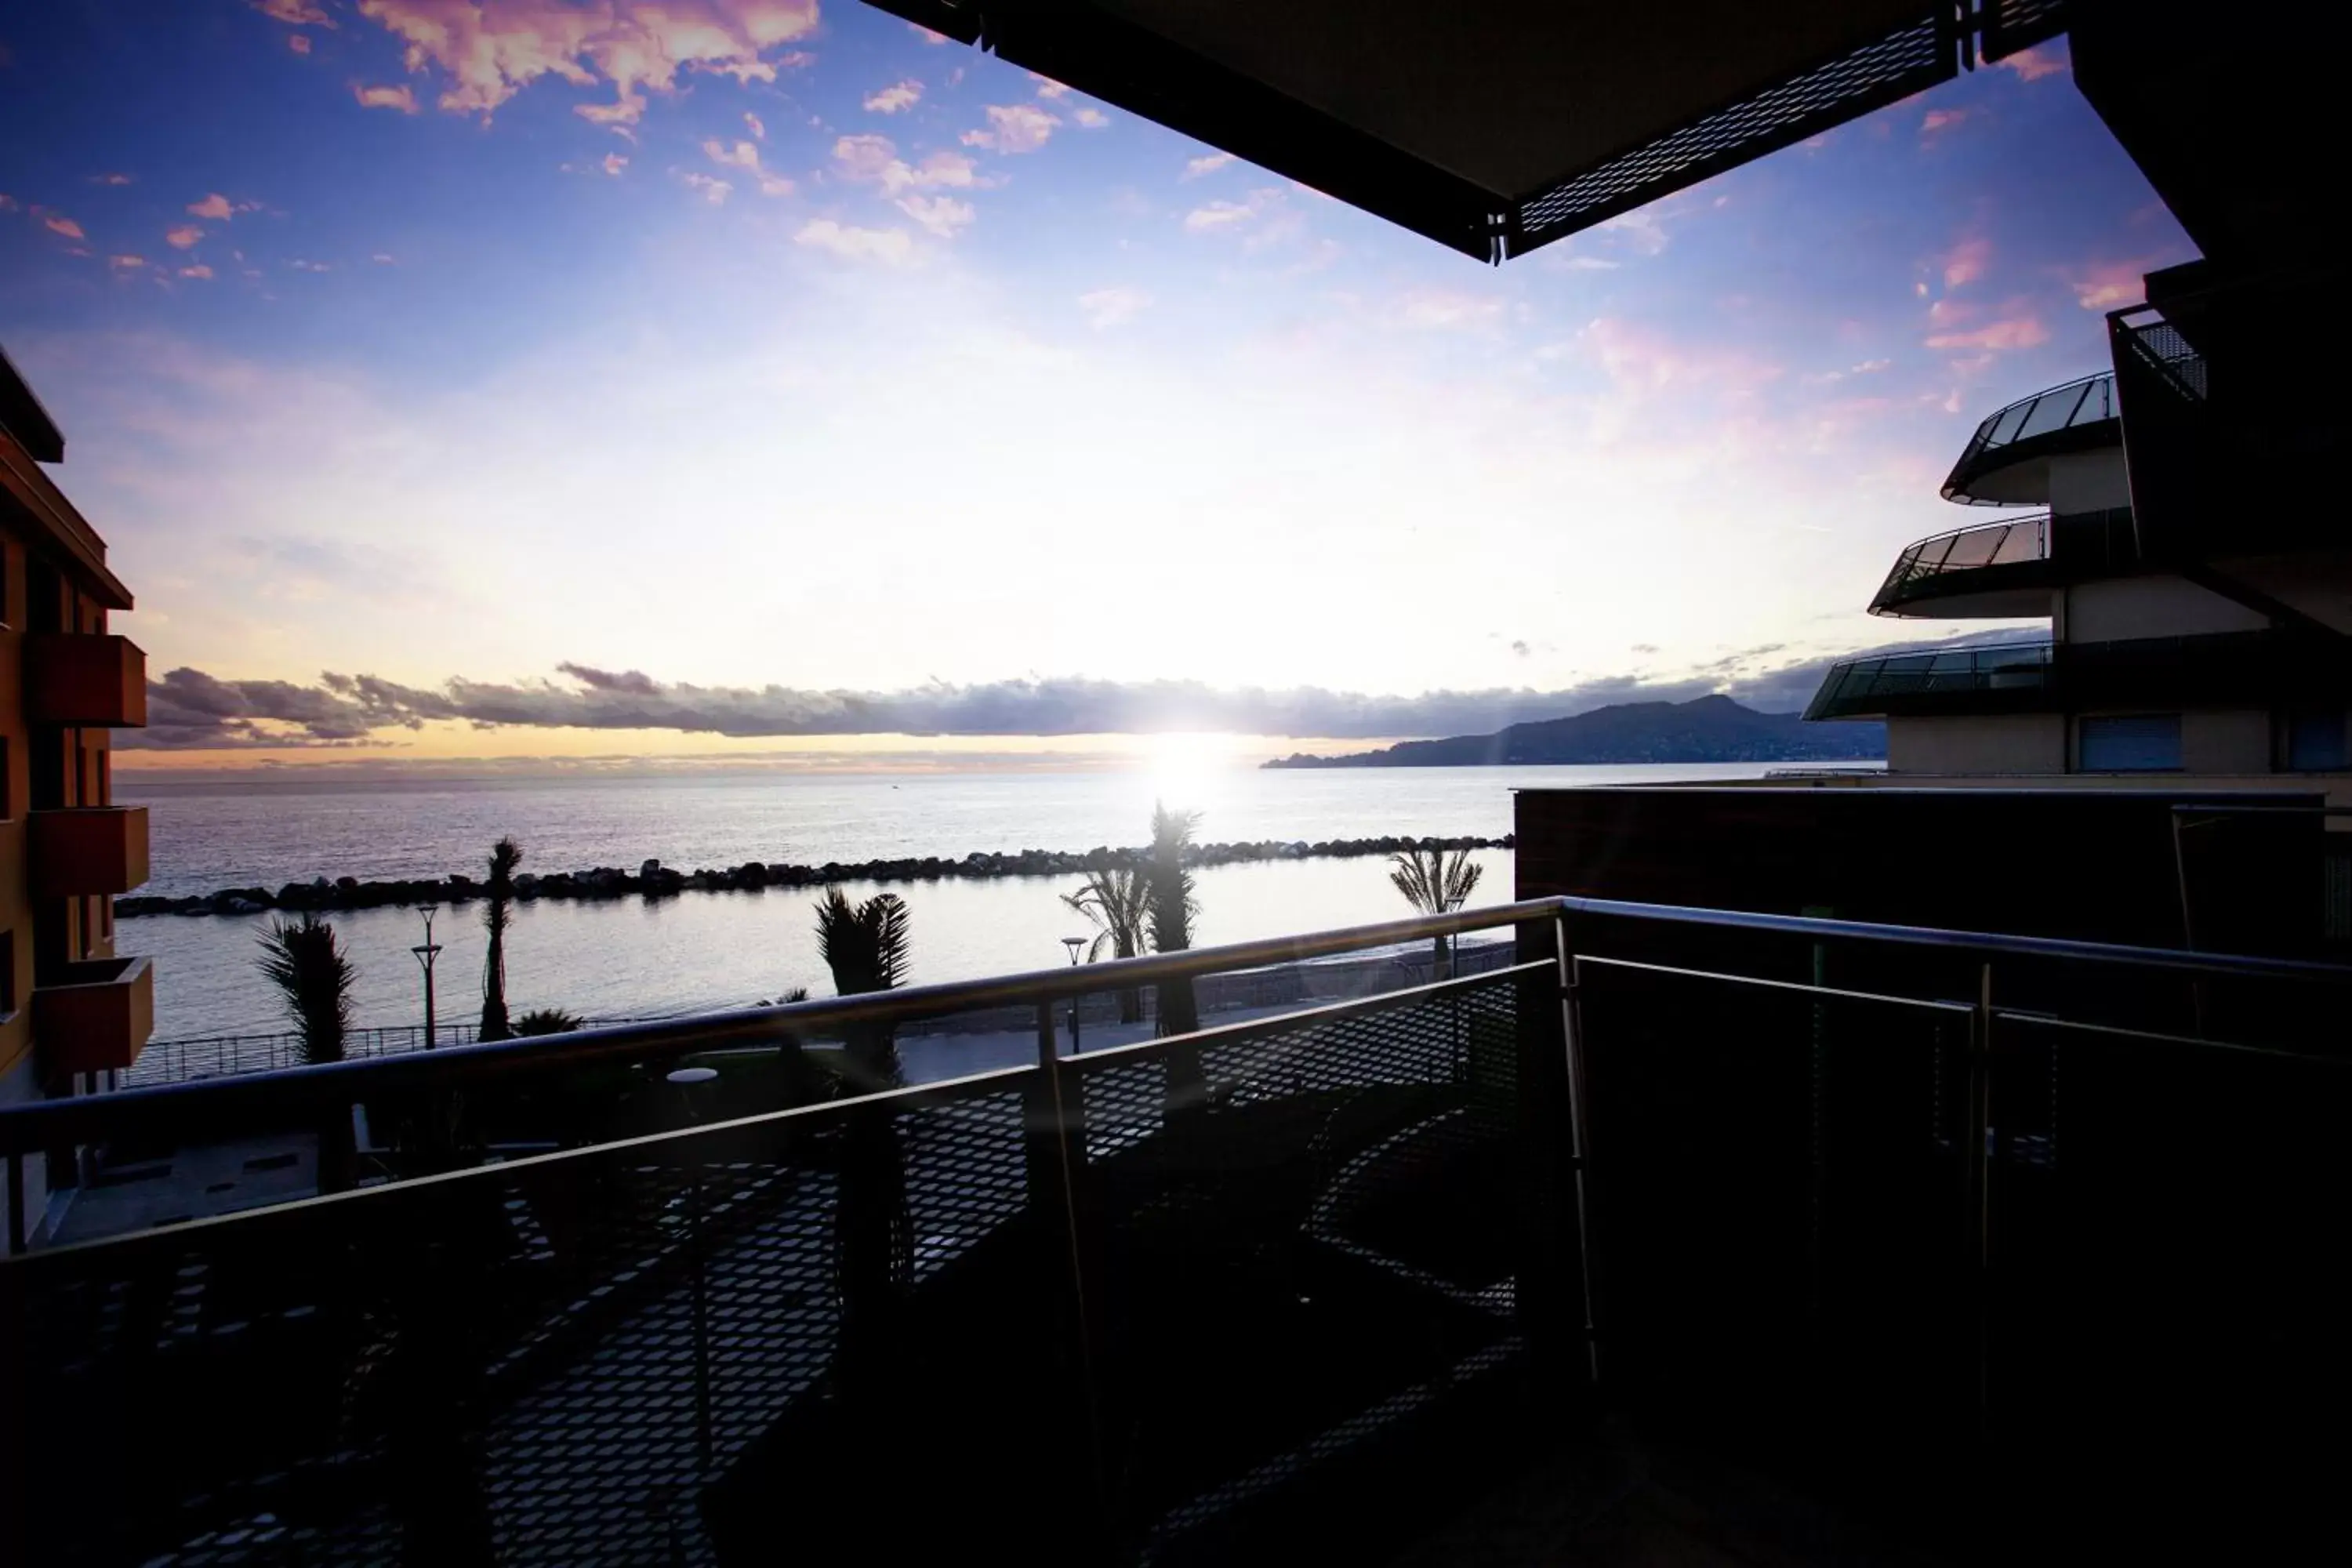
{"points": [[190, 709]]}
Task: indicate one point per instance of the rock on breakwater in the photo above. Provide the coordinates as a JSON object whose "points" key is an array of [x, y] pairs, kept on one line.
{"points": [[653, 879]]}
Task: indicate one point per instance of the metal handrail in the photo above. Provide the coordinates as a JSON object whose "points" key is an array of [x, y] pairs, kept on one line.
{"points": [[1925, 559], [2088, 400], [225, 1105]]}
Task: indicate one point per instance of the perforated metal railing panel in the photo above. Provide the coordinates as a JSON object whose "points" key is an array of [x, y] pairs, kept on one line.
{"points": [[620, 1355], [1892, 68], [1305, 1260]]}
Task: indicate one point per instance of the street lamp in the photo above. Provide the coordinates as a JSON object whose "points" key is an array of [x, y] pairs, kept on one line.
{"points": [[427, 952], [1074, 943]]}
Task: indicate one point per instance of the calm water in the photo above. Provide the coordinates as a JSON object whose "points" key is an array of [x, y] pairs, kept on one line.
{"points": [[700, 950]]}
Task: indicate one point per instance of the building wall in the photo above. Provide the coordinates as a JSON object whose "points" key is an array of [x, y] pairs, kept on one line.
{"points": [[1988, 743], [17, 914], [2226, 742], [2155, 606], [2089, 481], [2319, 584]]}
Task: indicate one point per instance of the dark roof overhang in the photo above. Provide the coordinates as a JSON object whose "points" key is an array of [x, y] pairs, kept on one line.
{"points": [[1493, 126]]}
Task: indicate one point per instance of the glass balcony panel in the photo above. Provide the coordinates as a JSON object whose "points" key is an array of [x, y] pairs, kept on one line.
{"points": [[2052, 411], [2006, 423]]}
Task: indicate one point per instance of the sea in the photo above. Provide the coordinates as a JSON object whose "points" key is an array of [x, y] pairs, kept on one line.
{"points": [[647, 958]]}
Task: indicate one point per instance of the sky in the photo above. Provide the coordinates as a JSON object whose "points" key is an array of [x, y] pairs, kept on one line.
{"points": [[520, 378]]}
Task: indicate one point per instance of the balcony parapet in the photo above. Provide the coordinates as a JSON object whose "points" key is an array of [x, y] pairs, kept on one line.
{"points": [[89, 680], [1947, 679], [90, 849], [2079, 416], [97, 1015]]}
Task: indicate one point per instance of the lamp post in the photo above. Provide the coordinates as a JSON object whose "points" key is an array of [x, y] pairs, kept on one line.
{"points": [[427, 952], [1074, 943]]}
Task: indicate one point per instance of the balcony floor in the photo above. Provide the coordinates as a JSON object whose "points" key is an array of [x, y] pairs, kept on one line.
{"points": [[1612, 1500]]}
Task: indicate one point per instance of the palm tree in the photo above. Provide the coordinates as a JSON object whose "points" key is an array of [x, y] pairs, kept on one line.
{"points": [[545, 1021], [505, 856], [867, 946], [1119, 902], [313, 975], [1170, 907], [1436, 882]]}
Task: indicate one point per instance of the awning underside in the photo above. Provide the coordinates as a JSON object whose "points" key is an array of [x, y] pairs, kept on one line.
{"points": [[1492, 126]]}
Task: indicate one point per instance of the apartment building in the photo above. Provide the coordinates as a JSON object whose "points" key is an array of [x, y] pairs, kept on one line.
{"points": [[73, 1013]]}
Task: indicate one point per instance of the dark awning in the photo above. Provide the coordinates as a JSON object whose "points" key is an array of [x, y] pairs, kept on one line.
{"points": [[1492, 125]]}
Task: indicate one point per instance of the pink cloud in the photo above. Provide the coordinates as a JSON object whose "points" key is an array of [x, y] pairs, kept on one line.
{"points": [[215, 207], [301, 44], [126, 263], [942, 215], [614, 163], [1013, 127], [2011, 332], [294, 13], [488, 51], [2104, 285], [927, 34], [891, 247], [714, 190], [1939, 120], [184, 237], [110, 179], [197, 269], [59, 224], [897, 96], [1207, 164], [383, 259], [755, 125], [7, 203], [1091, 119], [876, 159], [399, 96], [1966, 262], [1108, 308], [2040, 60], [1641, 359], [1217, 216], [745, 156]]}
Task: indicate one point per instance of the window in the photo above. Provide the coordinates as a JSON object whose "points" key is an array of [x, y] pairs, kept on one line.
{"points": [[2129, 743], [2316, 741]]}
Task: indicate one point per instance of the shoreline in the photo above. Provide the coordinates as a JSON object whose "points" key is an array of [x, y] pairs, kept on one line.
{"points": [[653, 880]]}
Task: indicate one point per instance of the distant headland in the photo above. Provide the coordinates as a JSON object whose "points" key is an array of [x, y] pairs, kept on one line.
{"points": [[1706, 729]]}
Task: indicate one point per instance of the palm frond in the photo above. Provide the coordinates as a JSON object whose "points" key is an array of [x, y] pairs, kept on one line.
{"points": [[868, 946], [1172, 905], [304, 959], [1434, 880]]}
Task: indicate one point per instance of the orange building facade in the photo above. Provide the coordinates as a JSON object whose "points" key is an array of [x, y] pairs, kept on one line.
{"points": [[73, 1013]]}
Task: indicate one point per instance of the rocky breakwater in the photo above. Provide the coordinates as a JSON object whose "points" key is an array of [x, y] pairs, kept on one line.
{"points": [[652, 879]]}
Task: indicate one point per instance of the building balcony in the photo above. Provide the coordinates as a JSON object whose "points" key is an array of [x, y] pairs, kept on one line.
{"points": [[96, 1017], [2001, 678], [81, 850], [96, 680], [1986, 569], [2006, 462]]}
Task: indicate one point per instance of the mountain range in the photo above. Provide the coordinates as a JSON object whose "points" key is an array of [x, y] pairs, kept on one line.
{"points": [[1706, 729]]}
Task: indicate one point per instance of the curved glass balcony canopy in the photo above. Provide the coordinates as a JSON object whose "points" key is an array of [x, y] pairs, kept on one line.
{"points": [[1933, 679], [2076, 417], [1951, 572]]}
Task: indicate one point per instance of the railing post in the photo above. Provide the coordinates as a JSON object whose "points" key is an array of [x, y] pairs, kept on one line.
{"points": [[1977, 1240], [1056, 1114], [1555, 1273]]}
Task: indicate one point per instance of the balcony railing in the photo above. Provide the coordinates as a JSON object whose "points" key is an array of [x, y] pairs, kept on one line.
{"points": [[83, 678], [1871, 686], [1803, 1186], [2011, 540], [2060, 416], [94, 1015]]}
